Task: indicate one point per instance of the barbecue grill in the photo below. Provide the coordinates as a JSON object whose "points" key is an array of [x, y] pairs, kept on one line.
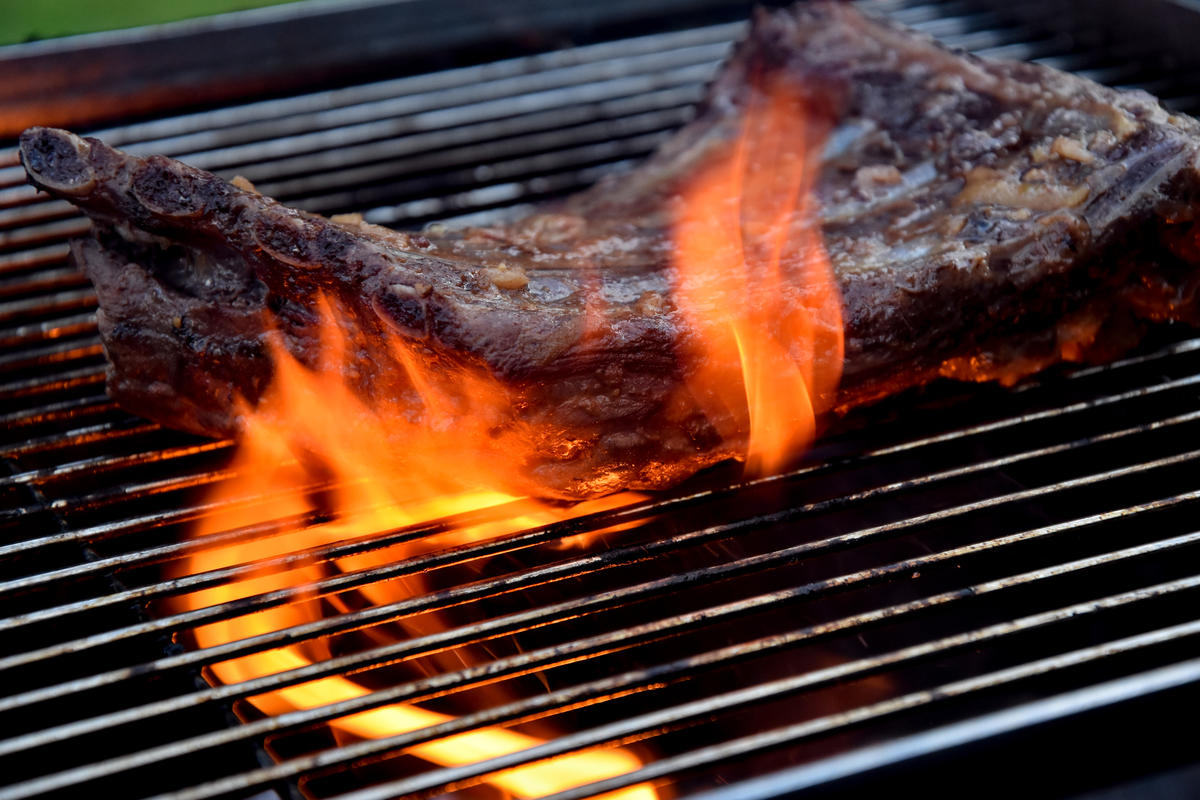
{"points": [[967, 588]]}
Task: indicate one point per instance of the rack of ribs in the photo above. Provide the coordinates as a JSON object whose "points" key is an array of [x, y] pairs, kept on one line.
{"points": [[983, 219]]}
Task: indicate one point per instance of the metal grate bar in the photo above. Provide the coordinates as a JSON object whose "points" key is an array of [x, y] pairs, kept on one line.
{"points": [[102, 464], [152, 556], [210, 148], [544, 125], [507, 544], [794, 733], [59, 302], [41, 281], [1022, 717], [647, 678], [317, 631], [208, 129], [62, 351], [75, 325], [32, 258], [124, 493], [374, 541], [42, 234], [63, 410], [680, 715], [674, 503], [463, 112], [79, 437], [541, 617], [54, 383], [623, 638], [280, 129], [608, 140]]}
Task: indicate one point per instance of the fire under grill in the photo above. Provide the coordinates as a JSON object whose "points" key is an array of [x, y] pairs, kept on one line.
{"points": [[970, 587]]}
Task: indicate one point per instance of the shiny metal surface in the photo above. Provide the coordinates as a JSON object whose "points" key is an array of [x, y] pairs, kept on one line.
{"points": [[942, 569]]}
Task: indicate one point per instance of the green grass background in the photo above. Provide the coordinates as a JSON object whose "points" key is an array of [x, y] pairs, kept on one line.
{"points": [[26, 20]]}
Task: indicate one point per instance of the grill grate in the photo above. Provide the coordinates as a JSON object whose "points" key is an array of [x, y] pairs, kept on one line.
{"points": [[948, 568]]}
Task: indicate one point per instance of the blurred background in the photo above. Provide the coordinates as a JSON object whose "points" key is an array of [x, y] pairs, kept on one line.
{"points": [[46, 19], [88, 64]]}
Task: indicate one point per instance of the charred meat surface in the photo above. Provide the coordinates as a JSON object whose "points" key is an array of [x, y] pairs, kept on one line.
{"points": [[984, 219]]}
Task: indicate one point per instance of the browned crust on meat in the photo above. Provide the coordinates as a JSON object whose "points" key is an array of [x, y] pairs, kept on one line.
{"points": [[984, 219]]}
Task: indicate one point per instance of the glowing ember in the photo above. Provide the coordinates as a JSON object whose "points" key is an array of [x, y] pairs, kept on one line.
{"points": [[756, 286], [763, 357]]}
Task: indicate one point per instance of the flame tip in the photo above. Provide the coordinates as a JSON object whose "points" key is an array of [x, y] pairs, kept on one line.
{"points": [[757, 284]]}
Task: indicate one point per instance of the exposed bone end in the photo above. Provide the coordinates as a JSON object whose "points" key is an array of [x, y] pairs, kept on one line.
{"points": [[159, 187], [57, 161], [288, 238]]}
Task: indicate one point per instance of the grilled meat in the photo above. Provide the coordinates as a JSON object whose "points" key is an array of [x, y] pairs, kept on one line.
{"points": [[983, 218]]}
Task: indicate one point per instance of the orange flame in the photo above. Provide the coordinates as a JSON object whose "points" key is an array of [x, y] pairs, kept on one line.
{"points": [[311, 420], [756, 286], [763, 357]]}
